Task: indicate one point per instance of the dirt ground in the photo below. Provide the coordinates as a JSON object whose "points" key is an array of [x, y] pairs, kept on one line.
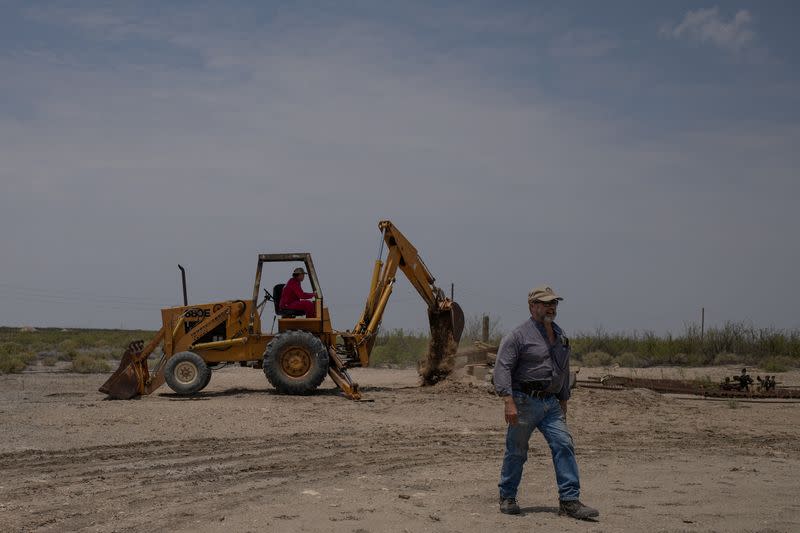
{"points": [[240, 457]]}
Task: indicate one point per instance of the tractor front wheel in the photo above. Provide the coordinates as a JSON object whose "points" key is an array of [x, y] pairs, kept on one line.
{"points": [[296, 362], [186, 373]]}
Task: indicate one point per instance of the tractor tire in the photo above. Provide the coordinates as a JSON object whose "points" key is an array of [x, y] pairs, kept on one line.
{"points": [[208, 379], [296, 362], [186, 373]]}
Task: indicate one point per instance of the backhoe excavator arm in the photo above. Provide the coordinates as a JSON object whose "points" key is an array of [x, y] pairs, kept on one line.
{"points": [[446, 317]]}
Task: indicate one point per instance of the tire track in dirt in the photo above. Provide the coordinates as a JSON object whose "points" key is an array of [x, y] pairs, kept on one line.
{"points": [[208, 476], [678, 439], [200, 477]]}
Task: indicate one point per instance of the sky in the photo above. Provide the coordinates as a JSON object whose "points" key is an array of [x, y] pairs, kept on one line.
{"points": [[639, 157]]}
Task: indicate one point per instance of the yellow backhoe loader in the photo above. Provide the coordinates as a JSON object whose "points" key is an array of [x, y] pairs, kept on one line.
{"points": [[195, 339]]}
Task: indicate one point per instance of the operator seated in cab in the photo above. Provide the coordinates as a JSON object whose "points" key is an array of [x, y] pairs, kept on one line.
{"points": [[293, 296]]}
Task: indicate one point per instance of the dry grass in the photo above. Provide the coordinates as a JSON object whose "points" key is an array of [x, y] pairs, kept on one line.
{"points": [[87, 364]]}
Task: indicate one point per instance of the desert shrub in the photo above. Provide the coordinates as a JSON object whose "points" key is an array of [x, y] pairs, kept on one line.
{"points": [[600, 341], [778, 363], [473, 329], [729, 359], [597, 359], [58, 339], [651, 347], [698, 359], [10, 348], [25, 338], [16, 362], [86, 364], [739, 343], [68, 345], [679, 358], [630, 360], [49, 360], [397, 347], [10, 364], [100, 343], [745, 339]]}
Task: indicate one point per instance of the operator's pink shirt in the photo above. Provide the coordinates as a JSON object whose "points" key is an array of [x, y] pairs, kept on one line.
{"points": [[293, 292]]}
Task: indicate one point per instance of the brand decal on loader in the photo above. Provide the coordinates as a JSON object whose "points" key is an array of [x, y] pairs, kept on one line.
{"points": [[192, 316], [197, 313]]}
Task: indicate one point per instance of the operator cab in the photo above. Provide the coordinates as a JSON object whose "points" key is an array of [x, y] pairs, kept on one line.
{"points": [[290, 319]]}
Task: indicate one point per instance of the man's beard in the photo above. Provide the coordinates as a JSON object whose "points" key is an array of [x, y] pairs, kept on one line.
{"points": [[548, 318]]}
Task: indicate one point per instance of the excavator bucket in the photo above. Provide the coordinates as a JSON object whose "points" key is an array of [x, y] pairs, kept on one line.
{"points": [[457, 319], [447, 325], [125, 382]]}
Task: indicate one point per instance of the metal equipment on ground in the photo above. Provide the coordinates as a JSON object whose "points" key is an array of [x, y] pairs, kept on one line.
{"points": [[696, 387]]}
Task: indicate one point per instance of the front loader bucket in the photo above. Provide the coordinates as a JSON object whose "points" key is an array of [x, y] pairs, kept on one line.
{"points": [[133, 378], [447, 325], [127, 381]]}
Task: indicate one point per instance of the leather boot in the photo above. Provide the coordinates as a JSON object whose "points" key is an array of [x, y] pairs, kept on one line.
{"points": [[509, 506], [576, 509]]}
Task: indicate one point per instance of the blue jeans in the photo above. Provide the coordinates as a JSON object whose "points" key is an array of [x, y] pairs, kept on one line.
{"points": [[545, 415]]}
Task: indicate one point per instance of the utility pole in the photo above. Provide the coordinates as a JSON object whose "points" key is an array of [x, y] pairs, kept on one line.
{"points": [[702, 323], [485, 332]]}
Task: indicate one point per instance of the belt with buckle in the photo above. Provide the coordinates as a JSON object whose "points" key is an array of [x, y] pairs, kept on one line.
{"points": [[534, 390], [542, 395]]}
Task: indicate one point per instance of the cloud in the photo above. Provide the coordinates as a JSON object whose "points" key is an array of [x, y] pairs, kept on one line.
{"points": [[707, 26]]}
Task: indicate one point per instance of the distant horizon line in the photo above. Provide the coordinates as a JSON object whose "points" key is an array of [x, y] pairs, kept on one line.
{"points": [[413, 331]]}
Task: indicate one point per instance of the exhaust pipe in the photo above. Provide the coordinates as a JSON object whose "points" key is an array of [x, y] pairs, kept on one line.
{"points": [[183, 282]]}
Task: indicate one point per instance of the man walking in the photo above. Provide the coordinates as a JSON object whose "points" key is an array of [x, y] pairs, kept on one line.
{"points": [[532, 376]]}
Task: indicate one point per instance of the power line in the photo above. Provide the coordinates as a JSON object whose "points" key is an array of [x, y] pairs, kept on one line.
{"points": [[15, 292]]}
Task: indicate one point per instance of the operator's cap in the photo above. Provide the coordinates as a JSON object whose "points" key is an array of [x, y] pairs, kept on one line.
{"points": [[298, 270], [543, 293]]}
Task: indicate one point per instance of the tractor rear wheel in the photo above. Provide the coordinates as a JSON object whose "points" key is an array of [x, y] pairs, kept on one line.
{"points": [[296, 362], [186, 373]]}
